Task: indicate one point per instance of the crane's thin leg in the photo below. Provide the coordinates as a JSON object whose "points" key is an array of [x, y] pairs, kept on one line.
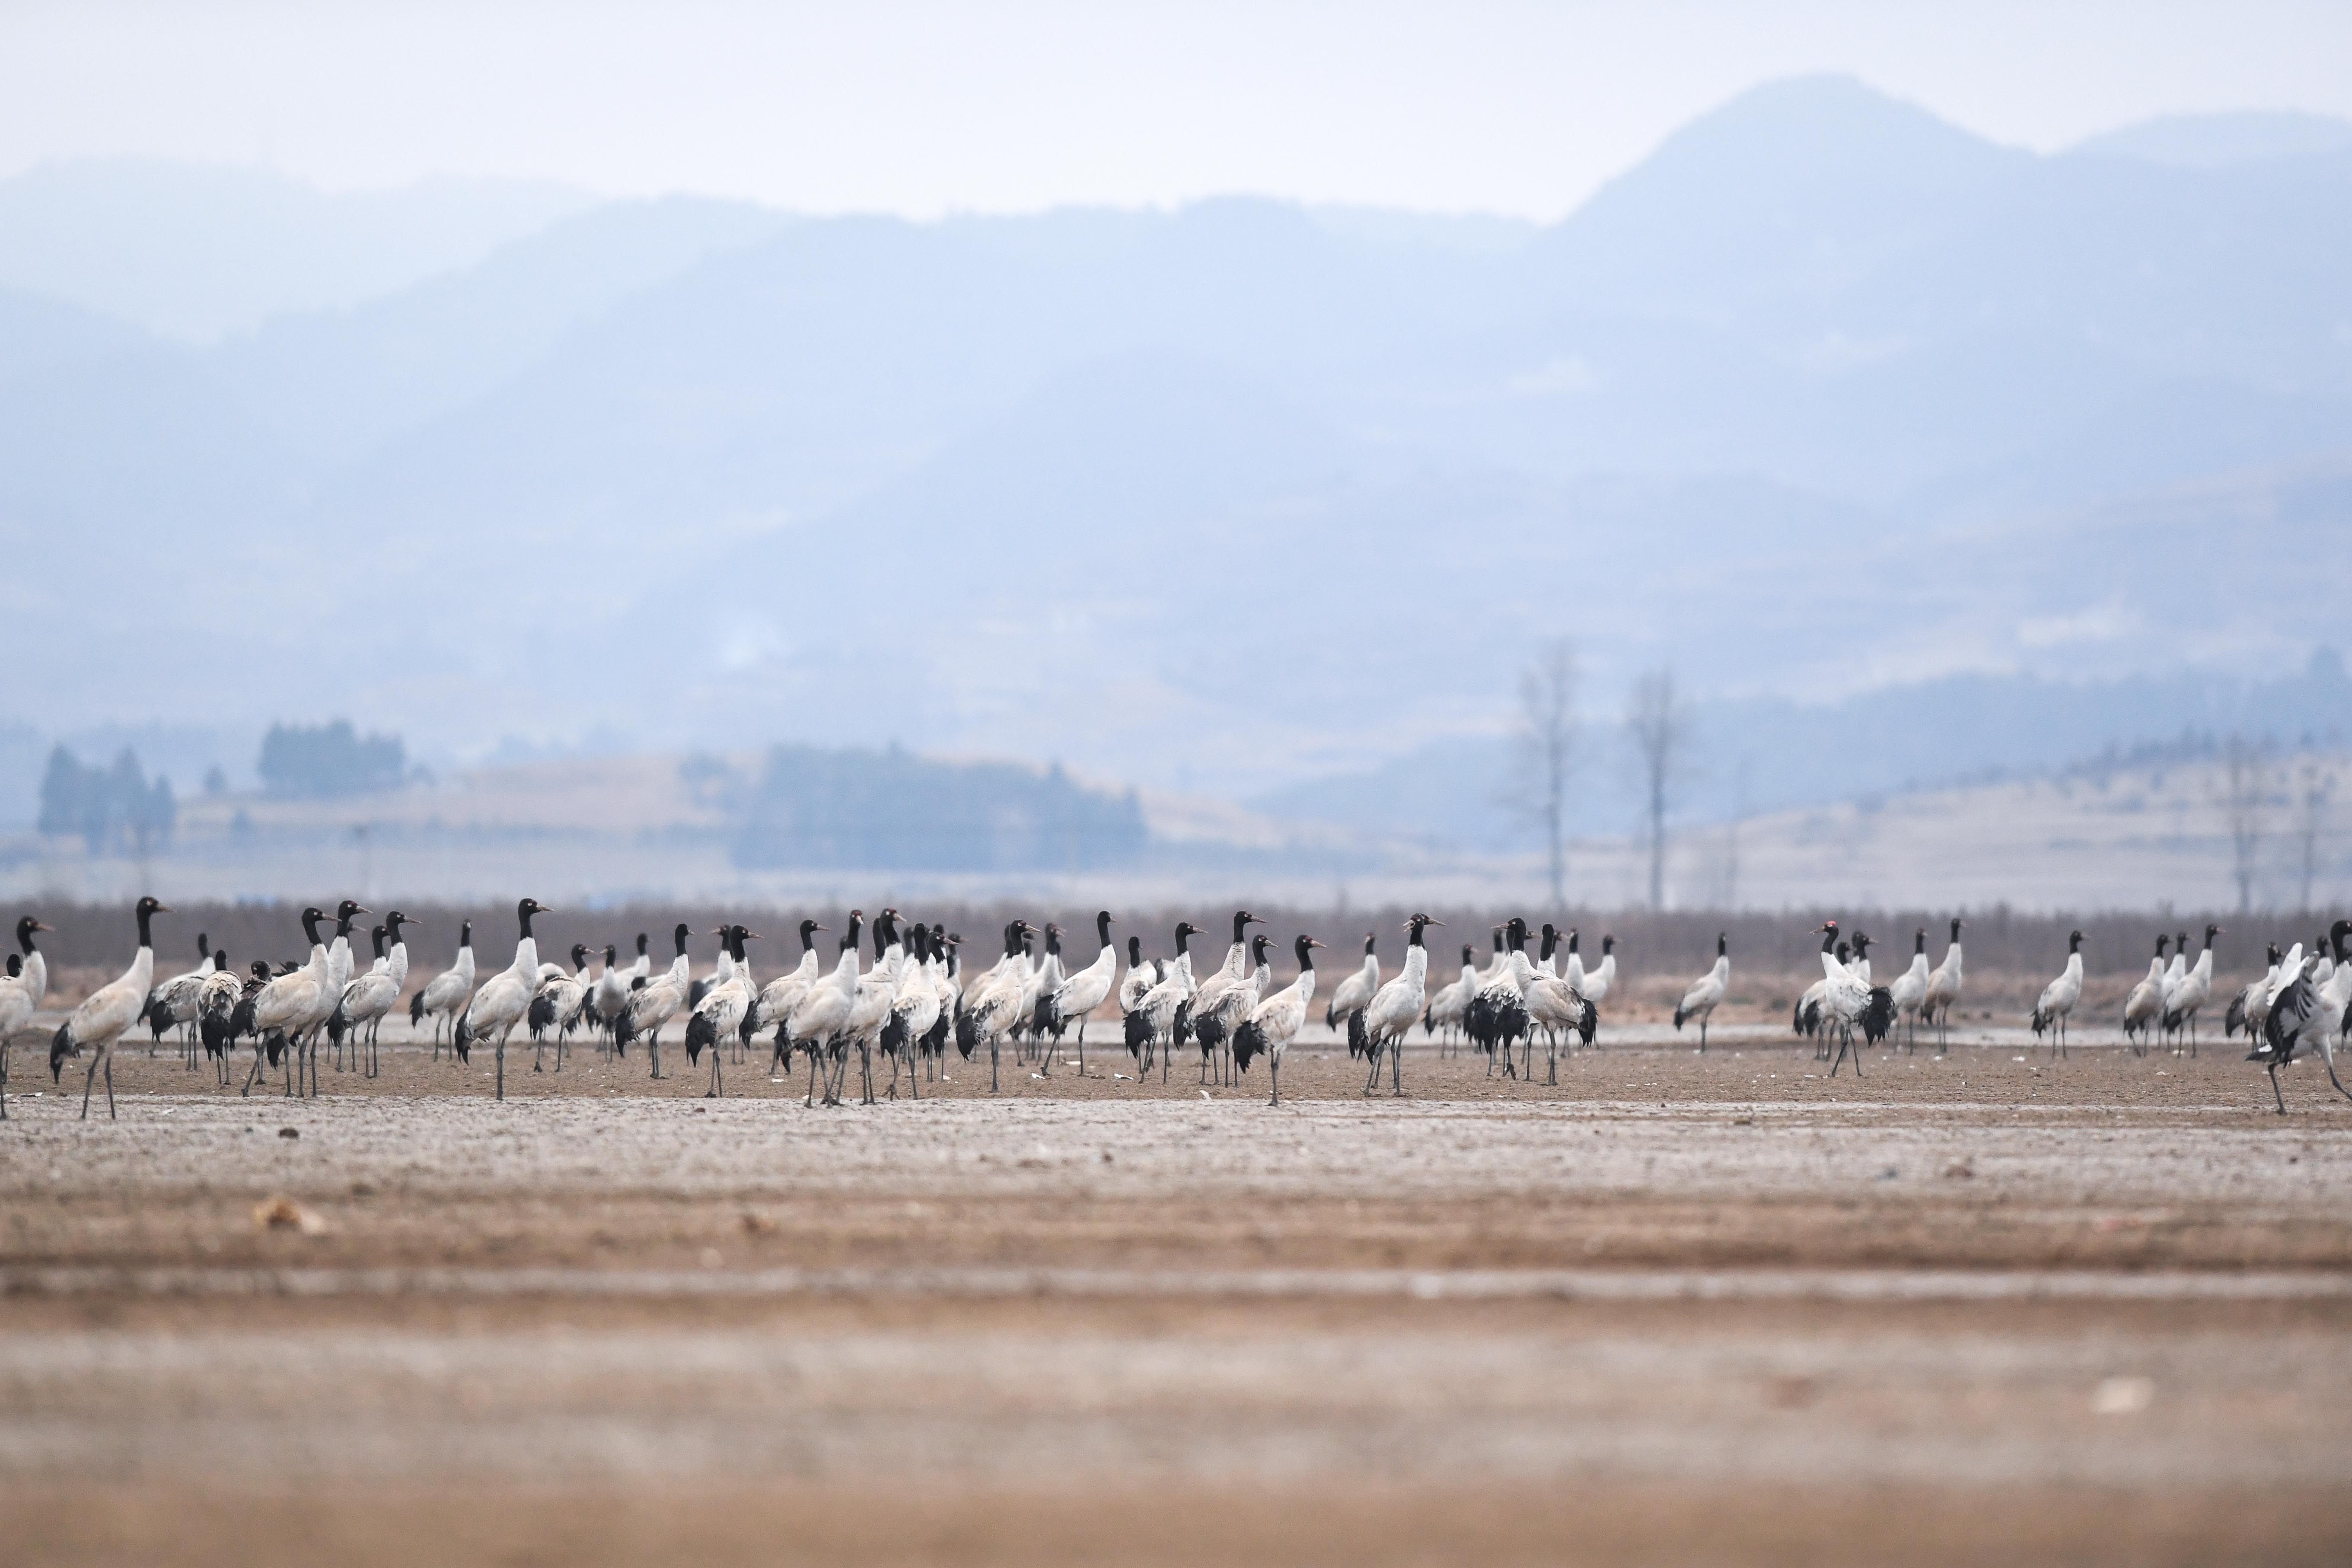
{"points": [[865, 1071], [1396, 1065], [2274, 1089], [2326, 1052], [1082, 1047], [502, 1067], [1372, 1051], [992, 1064], [1273, 1066], [110, 1086], [85, 1081], [810, 1100]]}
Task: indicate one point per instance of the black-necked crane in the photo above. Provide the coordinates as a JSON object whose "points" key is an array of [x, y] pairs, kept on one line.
{"points": [[556, 1006], [2299, 1011], [946, 978], [1944, 983], [1909, 989], [2058, 997], [1150, 1029], [505, 996], [719, 1015], [1497, 1017], [1554, 1004], [656, 1001], [823, 1013], [1850, 1002], [2183, 1002], [1449, 1004], [1045, 977], [914, 1010], [20, 997], [172, 1002], [782, 994], [1598, 982], [1076, 997], [223, 988], [339, 951], [1706, 992], [2248, 1007], [1276, 1018], [989, 1015], [290, 1003], [1345, 1009], [106, 1012], [877, 990], [606, 997], [1224, 998], [446, 994], [367, 998], [2144, 1008], [1389, 1014], [1143, 974]]}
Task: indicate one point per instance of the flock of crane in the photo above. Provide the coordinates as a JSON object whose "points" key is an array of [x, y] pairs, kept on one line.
{"points": [[914, 999]]}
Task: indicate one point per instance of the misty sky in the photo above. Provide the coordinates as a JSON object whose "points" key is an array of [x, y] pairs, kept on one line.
{"points": [[921, 108]]}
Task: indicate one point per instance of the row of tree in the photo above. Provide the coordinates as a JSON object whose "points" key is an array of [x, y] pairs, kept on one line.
{"points": [[115, 810], [1548, 751]]}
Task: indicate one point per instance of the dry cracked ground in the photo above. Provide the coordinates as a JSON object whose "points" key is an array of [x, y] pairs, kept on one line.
{"points": [[1674, 1309]]}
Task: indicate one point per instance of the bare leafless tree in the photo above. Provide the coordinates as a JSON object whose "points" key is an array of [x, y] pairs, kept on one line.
{"points": [[2313, 795], [2243, 798], [1543, 751], [1660, 725]]}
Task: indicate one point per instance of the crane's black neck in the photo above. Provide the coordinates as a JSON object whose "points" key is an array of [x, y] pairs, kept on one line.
{"points": [[1919, 944], [466, 935], [1608, 944], [1258, 944], [1722, 945], [1551, 943], [523, 921], [808, 936], [1184, 936], [641, 944], [1102, 928], [310, 919], [203, 948], [1135, 952], [1829, 941], [1053, 940], [850, 932], [1306, 951], [376, 934], [24, 930], [145, 914], [678, 936]]}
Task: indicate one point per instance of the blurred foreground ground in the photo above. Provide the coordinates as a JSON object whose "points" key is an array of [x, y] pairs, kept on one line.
{"points": [[1719, 1309]]}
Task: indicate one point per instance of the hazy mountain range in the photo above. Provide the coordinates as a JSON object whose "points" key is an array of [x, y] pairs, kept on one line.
{"points": [[1823, 396]]}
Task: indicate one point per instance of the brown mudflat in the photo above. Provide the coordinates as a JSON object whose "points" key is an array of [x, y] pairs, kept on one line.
{"points": [[1674, 1309]]}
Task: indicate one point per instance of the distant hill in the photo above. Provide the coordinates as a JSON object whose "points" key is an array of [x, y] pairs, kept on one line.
{"points": [[1826, 395], [196, 252]]}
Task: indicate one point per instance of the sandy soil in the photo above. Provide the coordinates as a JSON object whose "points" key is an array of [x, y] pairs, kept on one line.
{"points": [[1674, 1309]]}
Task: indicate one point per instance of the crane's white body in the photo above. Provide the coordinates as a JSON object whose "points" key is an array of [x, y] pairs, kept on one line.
{"points": [[104, 1015], [1705, 994]]}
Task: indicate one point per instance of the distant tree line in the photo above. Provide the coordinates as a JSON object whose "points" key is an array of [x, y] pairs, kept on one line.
{"points": [[116, 810], [321, 760], [890, 810]]}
